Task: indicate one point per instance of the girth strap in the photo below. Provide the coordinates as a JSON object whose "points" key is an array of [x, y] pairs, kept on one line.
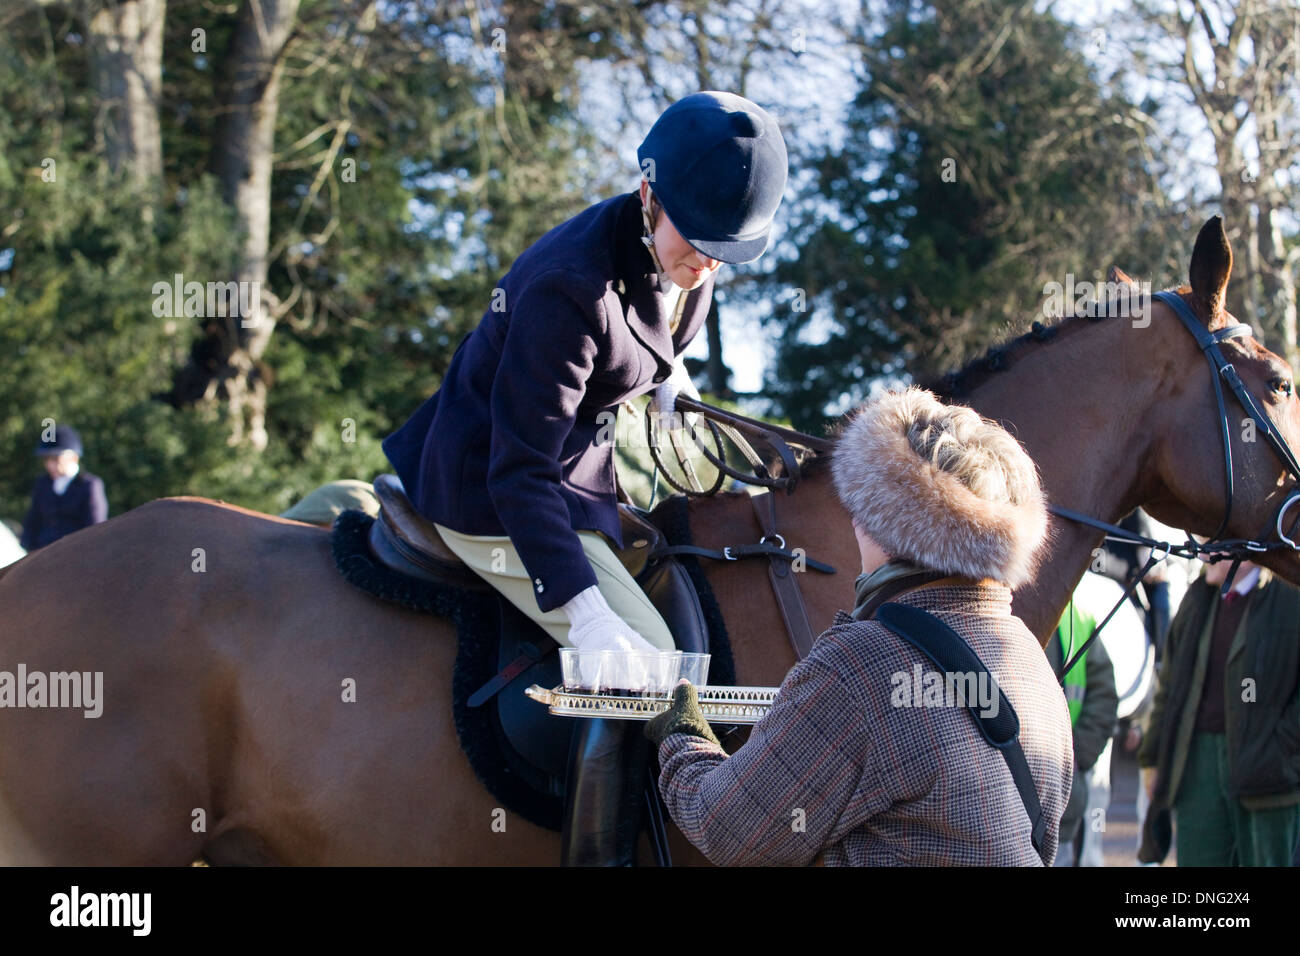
{"points": [[781, 571], [952, 655], [529, 656]]}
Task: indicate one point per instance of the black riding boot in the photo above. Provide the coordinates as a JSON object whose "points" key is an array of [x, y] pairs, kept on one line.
{"points": [[603, 793]]}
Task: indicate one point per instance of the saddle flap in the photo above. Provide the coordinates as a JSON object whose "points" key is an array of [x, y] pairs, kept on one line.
{"points": [[640, 538], [670, 590], [536, 736]]}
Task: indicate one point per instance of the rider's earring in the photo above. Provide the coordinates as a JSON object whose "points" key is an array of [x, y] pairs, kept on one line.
{"points": [[649, 238]]}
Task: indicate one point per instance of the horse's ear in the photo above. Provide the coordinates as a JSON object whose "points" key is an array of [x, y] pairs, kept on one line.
{"points": [[1118, 276], [1211, 266]]}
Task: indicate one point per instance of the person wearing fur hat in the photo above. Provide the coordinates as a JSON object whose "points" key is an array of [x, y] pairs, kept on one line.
{"points": [[66, 498], [848, 765]]}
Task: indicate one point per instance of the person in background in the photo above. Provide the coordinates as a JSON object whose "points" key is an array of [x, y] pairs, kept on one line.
{"points": [[66, 498], [1131, 737], [1122, 561], [1222, 744], [1093, 702]]}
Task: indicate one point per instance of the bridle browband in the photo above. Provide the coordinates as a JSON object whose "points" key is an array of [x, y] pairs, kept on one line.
{"points": [[1215, 548]]}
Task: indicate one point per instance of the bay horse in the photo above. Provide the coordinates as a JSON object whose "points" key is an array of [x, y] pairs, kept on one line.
{"points": [[258, 709]]}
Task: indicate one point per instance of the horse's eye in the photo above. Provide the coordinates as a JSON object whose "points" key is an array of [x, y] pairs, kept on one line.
{"points": [[1282, 385]]}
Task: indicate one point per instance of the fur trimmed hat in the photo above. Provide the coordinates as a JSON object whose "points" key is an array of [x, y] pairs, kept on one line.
{"points": [[941, 487]]}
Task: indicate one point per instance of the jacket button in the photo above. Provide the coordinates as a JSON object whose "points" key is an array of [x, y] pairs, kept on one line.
{"points": [[659, 378], [540, 586]]}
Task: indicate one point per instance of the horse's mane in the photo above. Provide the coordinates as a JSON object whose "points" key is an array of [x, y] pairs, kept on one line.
{"points": [[956, 386]]}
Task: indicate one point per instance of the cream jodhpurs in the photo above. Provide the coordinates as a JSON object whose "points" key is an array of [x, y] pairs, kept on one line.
{"points": [[495, 560]]}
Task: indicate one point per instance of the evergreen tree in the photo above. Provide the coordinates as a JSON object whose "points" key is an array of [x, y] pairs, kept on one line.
{"points": [[981, 161]]}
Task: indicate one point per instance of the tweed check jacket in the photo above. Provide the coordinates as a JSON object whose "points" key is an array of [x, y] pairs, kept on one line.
{"points": [[839, 767]]}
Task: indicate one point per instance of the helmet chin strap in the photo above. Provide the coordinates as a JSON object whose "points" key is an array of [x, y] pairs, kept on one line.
{"points": [[649, 239]]}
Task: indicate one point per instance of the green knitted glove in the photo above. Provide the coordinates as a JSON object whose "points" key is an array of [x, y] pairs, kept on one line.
{"points": [[683, 717]]}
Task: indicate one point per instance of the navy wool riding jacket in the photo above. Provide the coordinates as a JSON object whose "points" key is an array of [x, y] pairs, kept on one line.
{"points": [[52, 516], [518, 441]]}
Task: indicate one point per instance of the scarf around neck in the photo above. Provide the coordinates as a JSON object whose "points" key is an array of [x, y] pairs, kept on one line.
{"points": [[867, 585]]}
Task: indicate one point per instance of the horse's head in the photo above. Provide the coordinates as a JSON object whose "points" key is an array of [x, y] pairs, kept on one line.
{"points": [[1188, 474]]}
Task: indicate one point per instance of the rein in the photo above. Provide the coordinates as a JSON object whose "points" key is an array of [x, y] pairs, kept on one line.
{"points": [[735, 427], [1215, 548]]}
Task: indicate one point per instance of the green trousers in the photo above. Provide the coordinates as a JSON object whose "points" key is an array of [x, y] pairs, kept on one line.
{"points": [[495, 560], [1214, 829]]}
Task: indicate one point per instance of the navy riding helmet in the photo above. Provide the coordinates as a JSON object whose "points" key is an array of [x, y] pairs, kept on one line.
{"points": [[718, 165], [65, 439]]}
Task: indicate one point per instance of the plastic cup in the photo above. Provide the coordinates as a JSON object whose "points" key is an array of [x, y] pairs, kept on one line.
{"points": [[626, 672], [695, 668], [570, 671]]}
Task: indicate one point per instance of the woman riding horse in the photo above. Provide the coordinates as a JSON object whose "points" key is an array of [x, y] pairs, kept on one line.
{"points": [[508, 458]]}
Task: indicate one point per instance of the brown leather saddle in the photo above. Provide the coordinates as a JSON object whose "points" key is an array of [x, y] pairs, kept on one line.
{"points": [[406, 542]]}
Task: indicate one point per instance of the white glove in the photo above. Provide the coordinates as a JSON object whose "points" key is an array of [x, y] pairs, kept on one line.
{"points": [[664, 400], [593, 627]]}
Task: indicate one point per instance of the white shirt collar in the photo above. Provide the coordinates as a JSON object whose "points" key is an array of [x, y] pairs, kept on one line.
{"points": [[1245, 582], [61, 483]]}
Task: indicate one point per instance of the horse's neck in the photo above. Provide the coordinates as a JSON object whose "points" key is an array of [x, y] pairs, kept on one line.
{"points": [[1084, 420]]}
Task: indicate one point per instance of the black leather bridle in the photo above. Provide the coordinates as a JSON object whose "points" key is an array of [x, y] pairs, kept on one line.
{"points": [[1215, 548]]}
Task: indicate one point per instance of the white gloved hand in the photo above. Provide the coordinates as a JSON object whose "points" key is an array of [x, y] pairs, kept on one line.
{"points": [[594, 627], [663, 402]]}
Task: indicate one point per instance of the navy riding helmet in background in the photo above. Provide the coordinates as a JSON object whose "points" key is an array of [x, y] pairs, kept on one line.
{"points": [[65, 439]]}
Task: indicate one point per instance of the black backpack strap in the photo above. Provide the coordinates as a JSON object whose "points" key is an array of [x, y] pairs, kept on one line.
{"points": [[952, 655]]}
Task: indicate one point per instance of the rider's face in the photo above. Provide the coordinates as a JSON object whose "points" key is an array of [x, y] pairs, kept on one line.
{"points": [[56, 466], [686, 266]]}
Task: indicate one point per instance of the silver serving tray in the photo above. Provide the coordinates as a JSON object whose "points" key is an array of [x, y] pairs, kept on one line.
{"points": [[721, 705]]}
